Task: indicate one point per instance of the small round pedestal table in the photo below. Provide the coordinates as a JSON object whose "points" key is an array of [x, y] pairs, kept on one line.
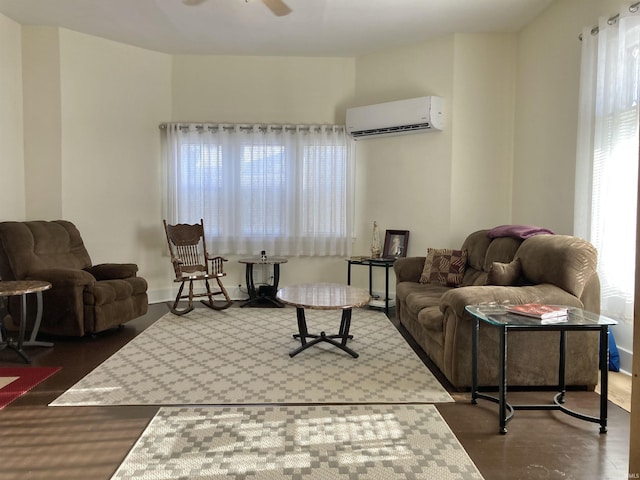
{"points": [[22, 288]]}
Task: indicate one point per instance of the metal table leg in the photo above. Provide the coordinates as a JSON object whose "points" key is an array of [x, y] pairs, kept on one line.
{"points": [[32, 342], [343, 334], [604, 376], [502, 386]]}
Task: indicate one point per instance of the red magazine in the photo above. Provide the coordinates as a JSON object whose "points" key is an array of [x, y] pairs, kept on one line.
{"points": [[539, 310]]}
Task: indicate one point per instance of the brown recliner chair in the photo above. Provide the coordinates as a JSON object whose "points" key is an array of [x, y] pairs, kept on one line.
{"points": [[85, 298]]}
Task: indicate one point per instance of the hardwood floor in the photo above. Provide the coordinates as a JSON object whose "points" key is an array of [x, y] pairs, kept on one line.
{"points": [[88, 443]]}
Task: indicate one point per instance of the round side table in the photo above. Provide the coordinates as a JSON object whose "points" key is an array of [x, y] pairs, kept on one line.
{"points": [[22, 288], [266, 297]]}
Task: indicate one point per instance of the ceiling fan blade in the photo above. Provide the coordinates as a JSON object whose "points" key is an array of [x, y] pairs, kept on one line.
{"points": [[278, 7]]}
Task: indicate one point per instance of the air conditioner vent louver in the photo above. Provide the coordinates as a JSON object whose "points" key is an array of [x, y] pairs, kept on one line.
{"points": [[395, 118], [390, 130]]}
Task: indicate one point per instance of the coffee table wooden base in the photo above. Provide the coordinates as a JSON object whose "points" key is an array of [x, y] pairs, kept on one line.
{"points": [[343, 334]]}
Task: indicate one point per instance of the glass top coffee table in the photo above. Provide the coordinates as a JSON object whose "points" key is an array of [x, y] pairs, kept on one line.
{"points": [[324, 296], [497, 316]]}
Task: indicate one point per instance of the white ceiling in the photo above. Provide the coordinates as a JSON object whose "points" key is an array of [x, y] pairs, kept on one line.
{"points": [[247, 27]]}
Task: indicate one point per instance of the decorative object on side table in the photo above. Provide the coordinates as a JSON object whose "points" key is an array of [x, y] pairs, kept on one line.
{"points": [[375, 241], [396, 243]]}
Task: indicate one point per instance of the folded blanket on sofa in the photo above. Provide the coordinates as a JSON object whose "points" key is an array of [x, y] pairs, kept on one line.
{"points": [[517, 231]]}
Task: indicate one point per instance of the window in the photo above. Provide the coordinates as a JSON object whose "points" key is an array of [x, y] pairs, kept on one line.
{"points": [[286, 190], [607, 162]]}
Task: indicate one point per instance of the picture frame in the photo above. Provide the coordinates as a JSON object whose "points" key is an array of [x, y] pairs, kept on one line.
{"points": [[395, 243]]}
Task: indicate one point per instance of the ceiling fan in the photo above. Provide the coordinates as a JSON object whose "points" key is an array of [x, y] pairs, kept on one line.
{"points": [[278, 7]]}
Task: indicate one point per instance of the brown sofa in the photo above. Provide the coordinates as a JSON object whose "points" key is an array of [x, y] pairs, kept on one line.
{"points": [[553, 269], [85, 298]]}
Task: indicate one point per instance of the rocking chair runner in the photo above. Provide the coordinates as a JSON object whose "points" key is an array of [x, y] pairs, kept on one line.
{"points": [[190, 261]]}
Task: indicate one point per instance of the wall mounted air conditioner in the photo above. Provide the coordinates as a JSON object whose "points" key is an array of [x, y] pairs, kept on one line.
{"points": [[402, 117]]}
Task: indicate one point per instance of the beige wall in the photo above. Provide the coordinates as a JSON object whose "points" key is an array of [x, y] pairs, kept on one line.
{"points": [[92, 112], [42, 122], [482, 154], [547, 111], [12, 193], [262, 89]]}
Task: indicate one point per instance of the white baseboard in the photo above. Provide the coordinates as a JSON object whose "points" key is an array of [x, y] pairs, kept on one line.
{"points": [[626, 360]]}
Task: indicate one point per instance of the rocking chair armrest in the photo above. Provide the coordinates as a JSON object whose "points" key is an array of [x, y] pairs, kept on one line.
{"points": [[217, 268], [216, 258]]}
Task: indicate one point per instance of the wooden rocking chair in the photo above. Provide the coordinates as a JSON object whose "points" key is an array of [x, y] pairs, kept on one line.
{"points": [[190, 261]]}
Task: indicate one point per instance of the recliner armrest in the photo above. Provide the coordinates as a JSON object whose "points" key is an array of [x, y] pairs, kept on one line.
{"points": [[63, 277], [113, 271]]}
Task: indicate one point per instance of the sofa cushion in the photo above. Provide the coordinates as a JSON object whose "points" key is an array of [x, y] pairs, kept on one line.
{"points": [[424, 297], [505, 274], [476, 245], [444, 266]]}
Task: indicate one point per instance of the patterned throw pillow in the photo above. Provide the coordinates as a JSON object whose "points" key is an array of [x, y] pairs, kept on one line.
{"points": [[444, 267]]}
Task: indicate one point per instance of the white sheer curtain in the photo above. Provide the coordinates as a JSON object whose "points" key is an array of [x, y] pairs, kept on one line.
{"points": [[607, 150], [287, 190]]}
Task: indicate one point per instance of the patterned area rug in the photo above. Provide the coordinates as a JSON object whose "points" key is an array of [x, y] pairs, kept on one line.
{"points": [[15, 382], [314, 442], [241, 356]]}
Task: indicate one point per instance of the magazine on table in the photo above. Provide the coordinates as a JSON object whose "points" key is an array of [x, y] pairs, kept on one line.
{"points": [[546, 313]]}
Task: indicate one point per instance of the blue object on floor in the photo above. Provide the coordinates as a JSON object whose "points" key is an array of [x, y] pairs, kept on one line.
{"points": [[614, 355]]}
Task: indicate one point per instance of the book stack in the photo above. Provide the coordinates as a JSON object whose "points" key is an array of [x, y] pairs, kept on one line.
{"points": [[546, 313]]}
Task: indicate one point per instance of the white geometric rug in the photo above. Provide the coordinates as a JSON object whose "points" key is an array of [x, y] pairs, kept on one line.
{"points": [[349, 442], [241, 356]]}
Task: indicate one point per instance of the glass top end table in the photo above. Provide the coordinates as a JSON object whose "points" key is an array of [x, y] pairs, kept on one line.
{"points": [[498, 316]]}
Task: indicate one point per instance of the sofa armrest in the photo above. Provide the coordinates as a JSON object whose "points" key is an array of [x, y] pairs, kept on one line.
{"points": [[458, 298], [113, 271], [63, 277], [408, 269]]}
